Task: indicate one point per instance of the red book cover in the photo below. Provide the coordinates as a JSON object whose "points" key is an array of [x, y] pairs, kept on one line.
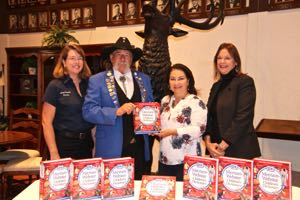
{"points": [[272, 179], [118, 178], [235, 178], [55, 179], [87, 177], [146, 118], [158, 187], [200, 179]]}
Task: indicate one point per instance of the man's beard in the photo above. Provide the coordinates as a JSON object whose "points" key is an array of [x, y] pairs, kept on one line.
{"points": [[121, 66]]}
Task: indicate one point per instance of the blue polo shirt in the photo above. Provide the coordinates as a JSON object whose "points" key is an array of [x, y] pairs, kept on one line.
{"points": [[62, 94]]}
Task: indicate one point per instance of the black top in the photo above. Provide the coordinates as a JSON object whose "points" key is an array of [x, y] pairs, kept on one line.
{"points": [[128, 129], [62, 94], [213, 115]]}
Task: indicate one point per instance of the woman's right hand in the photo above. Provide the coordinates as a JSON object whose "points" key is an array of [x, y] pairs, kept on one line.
{"points": [[213, 149], [54, 156]]}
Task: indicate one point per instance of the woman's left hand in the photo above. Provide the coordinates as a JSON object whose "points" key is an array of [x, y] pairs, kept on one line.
{"points": [[167, 132]]}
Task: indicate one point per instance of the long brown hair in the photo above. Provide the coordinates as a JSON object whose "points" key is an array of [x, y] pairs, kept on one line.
{"points": [[60, 71], [232, 50]]}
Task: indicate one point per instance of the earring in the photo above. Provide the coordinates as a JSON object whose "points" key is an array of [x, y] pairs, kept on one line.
{"points": [[236, 69]]}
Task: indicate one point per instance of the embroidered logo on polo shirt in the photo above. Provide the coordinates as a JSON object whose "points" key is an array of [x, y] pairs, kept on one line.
{"points": [[65, 93]]}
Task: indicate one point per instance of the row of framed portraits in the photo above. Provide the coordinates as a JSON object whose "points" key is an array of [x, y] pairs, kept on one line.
{"points": [[122, 12], [83, 14], [35, 3], [41, 20]]}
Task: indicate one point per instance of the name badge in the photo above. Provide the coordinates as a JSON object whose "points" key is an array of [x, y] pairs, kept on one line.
{"points": [[65, 93]]}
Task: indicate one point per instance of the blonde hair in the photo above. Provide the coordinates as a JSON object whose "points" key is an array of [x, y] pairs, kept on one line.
{"points": [[60, 71]]}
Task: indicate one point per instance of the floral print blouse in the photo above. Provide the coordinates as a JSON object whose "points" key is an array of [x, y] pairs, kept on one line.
{"points": [[189, 118]]}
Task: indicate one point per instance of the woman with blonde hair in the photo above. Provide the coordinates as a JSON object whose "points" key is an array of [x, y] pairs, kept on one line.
{"points": [[65, 131]]}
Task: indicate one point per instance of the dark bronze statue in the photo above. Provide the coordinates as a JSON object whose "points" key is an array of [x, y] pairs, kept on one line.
{"points": [[158, 26]]}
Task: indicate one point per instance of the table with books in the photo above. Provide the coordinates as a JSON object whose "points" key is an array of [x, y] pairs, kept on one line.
{"points": [[203, 178], [32, 191]]}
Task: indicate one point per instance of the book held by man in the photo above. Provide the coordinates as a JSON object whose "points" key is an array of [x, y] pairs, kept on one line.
{"points": [[146, 117], [200, 178], [118, 178], [55, 179], [158, 187], [87, 179], [235, 178], [272, 179]]}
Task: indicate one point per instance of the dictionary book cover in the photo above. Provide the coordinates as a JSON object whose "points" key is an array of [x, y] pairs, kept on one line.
{"points": [[200, 178], [272, 179], [146, 117], [87, 179], [55, 179], [158, 187], [235, 178], [118, 175]]}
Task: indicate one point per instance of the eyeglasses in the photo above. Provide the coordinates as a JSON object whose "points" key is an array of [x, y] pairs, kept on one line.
{"points": [[73, 59]]}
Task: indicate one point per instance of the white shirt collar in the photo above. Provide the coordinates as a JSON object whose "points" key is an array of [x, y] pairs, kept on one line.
{"points": [[118, 74]]}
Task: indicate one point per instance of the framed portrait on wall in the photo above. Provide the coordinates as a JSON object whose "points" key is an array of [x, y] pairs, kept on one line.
{"points": [[32, 21], [117, 12], [54, 17], [65, 17], [208, 4], [232, 4], [23, 21], [143, 2], [183, 7], [194, 9], [76, 17], [88, 16], [43, 20], [194, 6], [12, 3], [12, 23], [131, 10], [22, 3]]}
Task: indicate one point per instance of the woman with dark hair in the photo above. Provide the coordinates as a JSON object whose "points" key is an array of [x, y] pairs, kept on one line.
{"points": [[65, 131], [183, 120], [230, 129]]}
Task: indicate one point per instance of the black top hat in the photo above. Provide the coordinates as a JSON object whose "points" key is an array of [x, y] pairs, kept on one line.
{"points": [[124, 44]]}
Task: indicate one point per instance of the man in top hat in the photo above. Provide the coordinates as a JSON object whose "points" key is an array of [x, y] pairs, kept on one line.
{"points": [[109, 105]]}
